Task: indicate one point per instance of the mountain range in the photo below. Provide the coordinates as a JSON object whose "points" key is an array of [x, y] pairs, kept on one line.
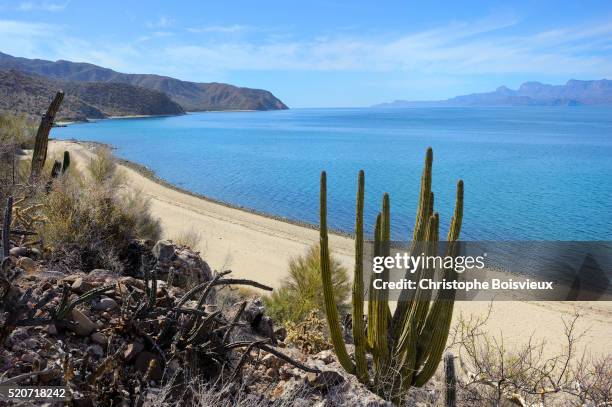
{"points": [[573, 93], [30, 95], [190, 96]]}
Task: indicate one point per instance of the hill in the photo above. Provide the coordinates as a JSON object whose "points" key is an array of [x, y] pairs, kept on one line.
{"points": [[192, 96], [30, 95], [573, 93]]}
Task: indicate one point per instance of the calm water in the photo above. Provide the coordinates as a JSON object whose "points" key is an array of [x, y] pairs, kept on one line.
{"points": [[530, 173]]}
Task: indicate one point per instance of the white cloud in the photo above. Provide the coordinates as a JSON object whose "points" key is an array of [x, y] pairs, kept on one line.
{"points": [[452, 50]]}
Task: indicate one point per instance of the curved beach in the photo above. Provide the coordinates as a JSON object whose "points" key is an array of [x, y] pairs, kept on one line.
{"points": [[259, 247]]}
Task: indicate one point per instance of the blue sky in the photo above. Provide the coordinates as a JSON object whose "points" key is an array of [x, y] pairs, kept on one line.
{"points": [[325, 53]]}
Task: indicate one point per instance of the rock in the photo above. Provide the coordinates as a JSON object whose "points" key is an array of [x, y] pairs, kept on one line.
{"points": [[27, 264], [105, 304], [272, 361], [18, 251], [95, 350], [84, 326], [280, 333], [99, 338], [143, 361], [34, 253], [326, 356], [190, 269], [265, 327], [254, 313], [325, 379], [132, 350], [52, 329], [81, 286], [163, 251]]}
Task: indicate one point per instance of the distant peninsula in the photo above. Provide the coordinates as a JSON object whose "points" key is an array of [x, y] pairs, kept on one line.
{"points": [[573, 93], [191, 96]]}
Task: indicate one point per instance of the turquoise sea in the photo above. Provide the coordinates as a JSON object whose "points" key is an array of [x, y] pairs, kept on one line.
{"points": [[532, 173]]}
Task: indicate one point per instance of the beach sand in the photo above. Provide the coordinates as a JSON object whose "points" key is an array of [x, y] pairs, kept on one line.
{"points": [[259, 247]]}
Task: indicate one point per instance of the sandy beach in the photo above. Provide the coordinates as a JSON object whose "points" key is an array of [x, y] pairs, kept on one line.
{"points": [[259, 247]]}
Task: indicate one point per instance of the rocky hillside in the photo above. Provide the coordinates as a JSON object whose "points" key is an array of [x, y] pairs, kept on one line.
{"points": [[30, 95], [130, 340], [191, 96]]}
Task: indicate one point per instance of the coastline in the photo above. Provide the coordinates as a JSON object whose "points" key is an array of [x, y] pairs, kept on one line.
{"points": [[259, 246], [64, 123]]}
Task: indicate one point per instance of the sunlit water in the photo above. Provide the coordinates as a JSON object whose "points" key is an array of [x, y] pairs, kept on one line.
{"points": [[536, 173]]}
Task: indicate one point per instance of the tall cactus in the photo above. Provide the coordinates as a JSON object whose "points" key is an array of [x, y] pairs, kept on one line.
{"points": [[406, 346], [39, 156]]}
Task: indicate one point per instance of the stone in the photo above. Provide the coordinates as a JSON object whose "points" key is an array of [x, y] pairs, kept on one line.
{"points": [[163, 251], [325, 379], [52, 329], [272, 372], [142, 362], [18, 251], [326, 356], [81, 286], [101, 274], [95, 350], [84, 326], [272, 361], [280, 333], [99, 338], [34, 253], [27, 264], [132, 350], [105, 304]]}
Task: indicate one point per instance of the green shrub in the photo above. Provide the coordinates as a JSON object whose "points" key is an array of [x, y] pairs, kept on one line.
{"points": [[90, 218], [302, 291]]}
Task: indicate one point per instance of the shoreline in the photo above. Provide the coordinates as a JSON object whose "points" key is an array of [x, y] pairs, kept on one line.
{"points": [[259, 247], [64, 123], [150, 174], [233, 237]]}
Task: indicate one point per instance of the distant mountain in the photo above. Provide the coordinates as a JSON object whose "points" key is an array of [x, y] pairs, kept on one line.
{"points": [[573, 93], [31, 94], [192, 96]]}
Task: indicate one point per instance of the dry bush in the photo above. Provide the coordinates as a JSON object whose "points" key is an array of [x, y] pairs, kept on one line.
{"points": [[302, 291], [90, 218], [523, 376], [15, 134], [308, 335], [16, 129], [189, 238]]}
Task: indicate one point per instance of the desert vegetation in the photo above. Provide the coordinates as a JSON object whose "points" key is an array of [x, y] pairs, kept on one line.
{"points": [[406, 346], [301, 292]]}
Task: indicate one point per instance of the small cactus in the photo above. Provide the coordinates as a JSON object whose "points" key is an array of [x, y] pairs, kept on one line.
{"points": [[406, 346], [66, 162], [450, 381]]}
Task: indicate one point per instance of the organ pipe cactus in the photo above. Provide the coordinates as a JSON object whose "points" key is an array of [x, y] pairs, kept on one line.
{"points": [[406, 346]]}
